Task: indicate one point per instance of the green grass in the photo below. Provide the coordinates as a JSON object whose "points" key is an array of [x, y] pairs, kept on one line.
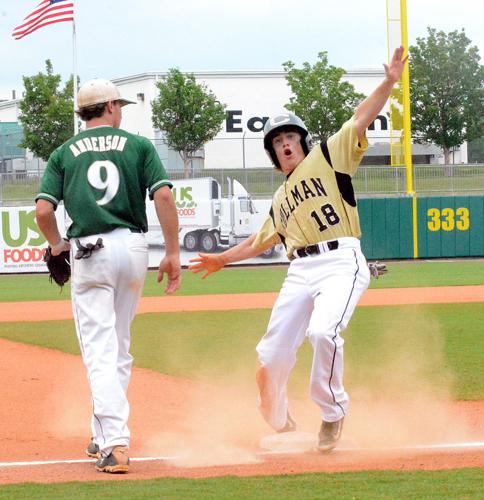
{"points": [[441, 345], [431, 273], [22, 287], [460, 483], [26, 287], [21, 191]]}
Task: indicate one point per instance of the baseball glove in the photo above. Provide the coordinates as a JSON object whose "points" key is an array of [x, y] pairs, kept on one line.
{"points": [[377, 269], [59, 266]]}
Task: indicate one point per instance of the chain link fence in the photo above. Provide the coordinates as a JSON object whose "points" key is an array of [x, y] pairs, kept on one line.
{"points": [[20, 188]]}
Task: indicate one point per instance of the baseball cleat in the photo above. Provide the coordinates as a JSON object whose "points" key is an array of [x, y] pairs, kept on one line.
{"points": [[92, 450], [117, 462], [290, 425], [329, 435]]}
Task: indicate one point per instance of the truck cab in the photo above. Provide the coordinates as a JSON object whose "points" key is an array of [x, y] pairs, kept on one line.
{"points": [[237, 215], [207, 220]]}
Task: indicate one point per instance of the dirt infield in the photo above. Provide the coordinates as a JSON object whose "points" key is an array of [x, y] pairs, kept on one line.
{"points": [[201, 430], [56, 309]]}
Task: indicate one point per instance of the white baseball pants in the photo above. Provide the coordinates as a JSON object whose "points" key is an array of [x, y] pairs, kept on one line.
{"points": [[317, 300], [106, 288]]}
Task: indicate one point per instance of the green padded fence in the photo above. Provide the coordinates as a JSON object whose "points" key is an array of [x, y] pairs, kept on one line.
{"points": [[447, 227], [386, 224], [451, 226]]}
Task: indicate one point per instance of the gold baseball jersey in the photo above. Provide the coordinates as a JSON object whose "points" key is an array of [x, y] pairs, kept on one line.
{"points": [[317, 201]]}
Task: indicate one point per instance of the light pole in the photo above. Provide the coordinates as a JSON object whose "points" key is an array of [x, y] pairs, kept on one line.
{"points": [[243, 150]]}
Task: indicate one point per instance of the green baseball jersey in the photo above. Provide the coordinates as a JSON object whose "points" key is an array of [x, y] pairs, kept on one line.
{"points": [[317, 202], [103, 174]]}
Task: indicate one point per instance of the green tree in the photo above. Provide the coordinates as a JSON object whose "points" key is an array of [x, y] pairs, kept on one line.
{"points": [[46, 112], [446, 90], [321, 99], [187, 112]]}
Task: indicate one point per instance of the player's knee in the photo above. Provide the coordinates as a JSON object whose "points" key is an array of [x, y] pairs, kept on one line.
{"points": [[272, 358], [324, 335]]}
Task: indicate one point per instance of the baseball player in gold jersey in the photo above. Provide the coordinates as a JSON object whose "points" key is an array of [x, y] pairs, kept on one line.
{"points": [[314, 214]]}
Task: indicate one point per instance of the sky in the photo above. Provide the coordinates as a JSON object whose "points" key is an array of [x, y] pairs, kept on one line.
{"points": [[117, 38]]}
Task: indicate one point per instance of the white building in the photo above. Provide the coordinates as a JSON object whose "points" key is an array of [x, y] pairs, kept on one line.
{"points": [[250, 98]]}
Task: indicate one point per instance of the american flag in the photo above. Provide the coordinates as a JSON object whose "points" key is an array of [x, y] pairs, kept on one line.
{"points": [[47, 12]]}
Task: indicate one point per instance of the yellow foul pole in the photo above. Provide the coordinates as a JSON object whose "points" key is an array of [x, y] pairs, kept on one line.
{"points": [[407, 130], [400, 118]]}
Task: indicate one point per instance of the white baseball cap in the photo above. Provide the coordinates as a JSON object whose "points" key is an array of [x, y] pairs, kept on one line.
{"points": [[97, 91]]}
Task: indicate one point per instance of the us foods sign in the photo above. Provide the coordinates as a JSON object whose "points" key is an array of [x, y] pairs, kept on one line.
{"points": [[22, 243]]}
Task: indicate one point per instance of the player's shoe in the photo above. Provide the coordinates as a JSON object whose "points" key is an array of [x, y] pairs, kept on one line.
{"points": [[329, 435], [117, 462], [93, 450], [290, 425]]}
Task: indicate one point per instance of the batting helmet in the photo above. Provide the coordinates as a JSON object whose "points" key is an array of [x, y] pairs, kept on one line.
{"points": [[277, 124]]}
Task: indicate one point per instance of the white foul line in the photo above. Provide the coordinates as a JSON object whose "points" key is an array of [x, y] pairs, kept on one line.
{"points": [[82, 461], [444, 446], [476, 444]]}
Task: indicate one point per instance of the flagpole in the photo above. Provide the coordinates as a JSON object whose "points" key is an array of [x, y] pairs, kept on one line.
{"points": [[74, 61]]}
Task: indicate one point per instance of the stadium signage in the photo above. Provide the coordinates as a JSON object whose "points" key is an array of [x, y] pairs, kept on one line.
{"points": [[22, 243], [234, 122]]}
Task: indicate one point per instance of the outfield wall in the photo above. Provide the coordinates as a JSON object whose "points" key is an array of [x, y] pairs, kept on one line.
{"points": [[445, 227], [393, 228]]}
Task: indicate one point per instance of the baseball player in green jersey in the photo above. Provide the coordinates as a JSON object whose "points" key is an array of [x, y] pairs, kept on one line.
{"points": [[314, 214], [103, 175]]}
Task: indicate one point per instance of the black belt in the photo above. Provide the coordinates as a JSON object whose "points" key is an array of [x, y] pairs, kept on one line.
{"points": [[316, 249]]}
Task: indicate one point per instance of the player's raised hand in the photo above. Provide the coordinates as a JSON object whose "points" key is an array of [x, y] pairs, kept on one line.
{"points": [[171, 266], [394, 70], [208, 262]]}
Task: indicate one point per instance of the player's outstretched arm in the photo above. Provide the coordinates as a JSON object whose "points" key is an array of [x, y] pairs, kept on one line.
{"points": [[168, 217], [368, 110], [208, 262], [211, 262]]}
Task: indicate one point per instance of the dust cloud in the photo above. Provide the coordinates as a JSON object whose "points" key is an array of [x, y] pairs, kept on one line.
{"points": [[403, 396], [221, 426], [66, 408]]}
